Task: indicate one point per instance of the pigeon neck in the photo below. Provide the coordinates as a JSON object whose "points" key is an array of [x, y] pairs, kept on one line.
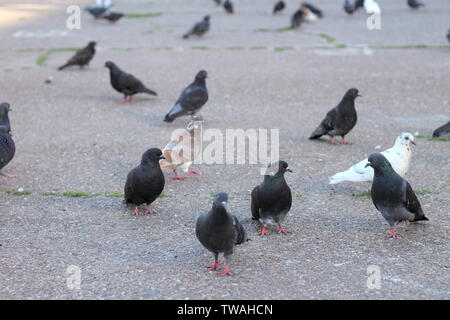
{"points": [[384, 169], [200, 81]]}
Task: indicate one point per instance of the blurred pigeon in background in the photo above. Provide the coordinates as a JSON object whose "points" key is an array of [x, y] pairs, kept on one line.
{"points": [[219, 231], [5, 108], [82, 57], [297, 18], [228, 6], [392, 195], [126, 83], [279, 6], [442, 131], [349, 7], [111, 16], [199, 29], [7, 149], [415, 4]]}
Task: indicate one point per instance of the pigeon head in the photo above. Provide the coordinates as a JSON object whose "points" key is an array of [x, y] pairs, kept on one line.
{"points": [[110, 65], [206, 18], [152, 155], [201, 75], [405, 139], [352, 94], [379, 163], [5, 108], [92, 44], [220, 200], [277, 168]]}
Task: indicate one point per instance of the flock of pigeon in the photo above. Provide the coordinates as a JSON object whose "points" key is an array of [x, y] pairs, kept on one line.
{"points": [[218, 230]]}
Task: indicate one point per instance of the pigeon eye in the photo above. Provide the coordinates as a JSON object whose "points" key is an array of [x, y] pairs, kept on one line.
{"points": [[406, 138], [375, 159]]}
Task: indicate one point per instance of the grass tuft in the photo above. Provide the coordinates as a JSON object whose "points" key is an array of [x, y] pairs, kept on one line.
{"points": [[143, 15]]}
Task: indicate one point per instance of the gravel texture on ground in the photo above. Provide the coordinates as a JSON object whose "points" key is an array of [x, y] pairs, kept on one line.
{"points": [[71, 135]]}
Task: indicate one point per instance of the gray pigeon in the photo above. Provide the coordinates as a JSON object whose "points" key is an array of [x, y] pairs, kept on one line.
{"points": [[191, 99], [415, 4], [7, 149], [441, 131], [279, 6], [348, 7], [126, 83], [297, 18], [272, 199], [339, 120], [145, 182], [82, 57], [392, 195], [5, 108], [199, 29], [219, 231]]}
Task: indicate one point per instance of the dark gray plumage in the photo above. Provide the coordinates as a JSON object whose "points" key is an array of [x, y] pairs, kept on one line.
{"points": [[145, 182], [111, 16], [448, 35], [7, 149], [96, 11], [219, 231], [5, 108], [228, 6], [126, 83], [272, 199], [348, 7], [339, 120], [191, 99], [297, 19], [392, 195], [199, 29], [415, 4], [441, 131], [82, 57], [358, 4], [279, 6], [313, 9]]}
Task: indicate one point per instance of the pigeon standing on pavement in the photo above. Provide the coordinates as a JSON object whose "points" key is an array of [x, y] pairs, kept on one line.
{"points": [[228, 6], [297, 18], [126, 83], [146, 181], [7, 149], [191, 99], [272, 199], [182, 149], [82, 57], [199, 29], [5, 108], [399, 156], [415, 4], [219, 231], [339, 120], [441, 131], [279, 6], [392, 195]]}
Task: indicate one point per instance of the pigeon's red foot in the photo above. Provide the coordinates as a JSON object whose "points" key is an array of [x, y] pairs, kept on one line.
{"points": [[226, 272], [406, 222], [333, 141], [393, 234], [345, 141], [10, 176], [282, 230], [123, 101], [214, 266], [136, 212], [130, 99], [177, 177], [149, 210], [192, 171], [263, 232]]}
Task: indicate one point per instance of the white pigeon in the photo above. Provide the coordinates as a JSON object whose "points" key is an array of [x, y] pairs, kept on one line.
{"points": [[372, 7], [399, 156]]}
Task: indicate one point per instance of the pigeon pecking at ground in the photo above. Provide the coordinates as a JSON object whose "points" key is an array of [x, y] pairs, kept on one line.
{"points": [[272, 199], [228, 6], [191, 99], [7, 149], [415, 4], [399, 156], [279, 6], [442, 131], [392, 195], [182, 149], [219, 231], [146, 181], [126, 83], [339, 120], [82, 57], [199, 29]]}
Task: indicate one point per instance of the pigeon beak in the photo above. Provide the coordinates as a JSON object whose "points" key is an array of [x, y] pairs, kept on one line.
{"points": [[162, 158], [367, 165], [412, 142], [289, 170]]}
